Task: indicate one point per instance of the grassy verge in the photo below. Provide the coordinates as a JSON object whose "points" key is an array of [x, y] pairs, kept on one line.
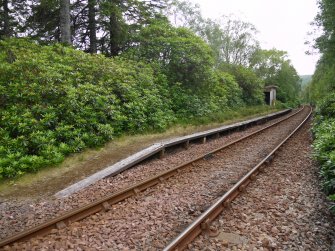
{"points": [[230, 115], [324, 143], [77, 166]]}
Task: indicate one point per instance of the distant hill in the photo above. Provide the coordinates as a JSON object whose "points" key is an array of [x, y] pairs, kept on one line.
{"points": [[305, 79]]}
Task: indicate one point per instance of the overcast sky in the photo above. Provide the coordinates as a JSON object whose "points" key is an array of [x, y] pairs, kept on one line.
{"points": [[282, 24]]}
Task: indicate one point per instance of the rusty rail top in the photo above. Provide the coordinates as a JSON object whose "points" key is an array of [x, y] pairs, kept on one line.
{"points": [[160, 148], [202, 223], [104, 204]]}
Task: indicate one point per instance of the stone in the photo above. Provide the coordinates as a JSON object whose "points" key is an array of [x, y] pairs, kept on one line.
{"points": [[231, 238], [274, 230]]}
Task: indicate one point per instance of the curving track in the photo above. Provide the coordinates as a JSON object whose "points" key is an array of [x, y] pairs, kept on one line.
{"points": [[202, 224], [153, 217]]}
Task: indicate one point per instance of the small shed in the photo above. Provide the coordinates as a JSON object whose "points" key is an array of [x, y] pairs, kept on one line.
{"points": [[270, 94]]}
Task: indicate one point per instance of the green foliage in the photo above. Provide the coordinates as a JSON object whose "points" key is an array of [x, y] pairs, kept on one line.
{"points": [[55, 101], [288, 82], [250, 84], [325, 19], [222, 94], [273, 67], [196, 89], [323, 81], [321, 91], [11, 14], [326, 107], [231, 88], [324, 144], [182, 56], [237, 40], [232, 41], [305, 79]]}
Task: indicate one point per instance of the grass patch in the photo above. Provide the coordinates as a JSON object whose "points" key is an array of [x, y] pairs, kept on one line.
{"points": [[230, 115], [49, 180]]}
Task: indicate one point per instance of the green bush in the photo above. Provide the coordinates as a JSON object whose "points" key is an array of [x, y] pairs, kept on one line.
{"points": [[181, 55], [250, 85], [55, 100], [221, 94], [324, 143], [326, 107], [324, 147]]}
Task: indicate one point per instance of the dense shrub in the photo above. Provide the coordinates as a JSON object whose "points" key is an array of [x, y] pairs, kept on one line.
{"points": [[326, 107], [324, 144], [56, 100], [181, 55], [232, 90], [251, 85]]}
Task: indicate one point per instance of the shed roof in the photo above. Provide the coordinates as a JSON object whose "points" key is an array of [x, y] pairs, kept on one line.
{"points": [[269, 87]]}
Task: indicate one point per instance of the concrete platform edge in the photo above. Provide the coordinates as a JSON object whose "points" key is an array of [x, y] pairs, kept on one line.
{"points": [[154, 149]]}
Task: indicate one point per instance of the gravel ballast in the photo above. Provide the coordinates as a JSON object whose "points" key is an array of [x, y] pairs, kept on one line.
{"points": [[154, 217], [284, 209], [18, 214]]}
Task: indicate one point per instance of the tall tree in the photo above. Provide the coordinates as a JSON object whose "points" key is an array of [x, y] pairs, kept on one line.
{"points": [[92, 25], [267, 63], [186, 14], [238, 41], [65, 26], [97, 25], [43, 21], [6, 28], [12, 17], [232, 40], [119, 20], [273, 67], [323, 82], [250, 84], [182, 56]]}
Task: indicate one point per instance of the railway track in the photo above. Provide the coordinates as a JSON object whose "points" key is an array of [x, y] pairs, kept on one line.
{"points": [[202, 223], [207, 165]]}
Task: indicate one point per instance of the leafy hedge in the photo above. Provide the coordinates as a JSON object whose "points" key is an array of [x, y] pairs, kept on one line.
{"points": [[55, 100], [324, 144]]}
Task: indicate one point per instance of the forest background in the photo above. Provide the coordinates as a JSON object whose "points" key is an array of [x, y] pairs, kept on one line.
{"points": [[76, 74], [321, 91]]}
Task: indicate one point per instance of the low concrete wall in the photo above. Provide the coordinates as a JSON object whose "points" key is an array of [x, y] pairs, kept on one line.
{"points": [[160, 148]]}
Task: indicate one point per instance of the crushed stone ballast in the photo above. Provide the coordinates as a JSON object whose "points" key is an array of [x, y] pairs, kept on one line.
{"points": [[159, 148]]}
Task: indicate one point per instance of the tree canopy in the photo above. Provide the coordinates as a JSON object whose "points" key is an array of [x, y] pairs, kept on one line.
{"points": [[77, 73], [323, 81], [321, 91]]}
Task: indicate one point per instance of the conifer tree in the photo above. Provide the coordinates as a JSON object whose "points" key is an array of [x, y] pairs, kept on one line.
{"points": [[64, 20]]}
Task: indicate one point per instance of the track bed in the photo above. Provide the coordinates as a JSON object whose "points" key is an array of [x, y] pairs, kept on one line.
{"points": [[152, 218]]}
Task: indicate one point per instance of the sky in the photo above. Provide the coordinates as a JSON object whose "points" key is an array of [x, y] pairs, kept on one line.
{"points": [[282, 24]]}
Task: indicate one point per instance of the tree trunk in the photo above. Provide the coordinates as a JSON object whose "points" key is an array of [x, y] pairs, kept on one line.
{"points": [[65, 28], [114, 36], [6, 28], [92, 26]]}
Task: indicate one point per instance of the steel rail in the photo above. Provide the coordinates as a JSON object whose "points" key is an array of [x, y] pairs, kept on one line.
{"points": [[104, 203], [202, 223]]}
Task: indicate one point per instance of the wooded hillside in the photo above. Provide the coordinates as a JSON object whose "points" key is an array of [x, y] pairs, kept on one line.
{"points": [[321, 91]]}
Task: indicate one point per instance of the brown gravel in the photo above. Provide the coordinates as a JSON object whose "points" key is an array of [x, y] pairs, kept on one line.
{"points": [[284, 209], [16, 215], [152, 218]]}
